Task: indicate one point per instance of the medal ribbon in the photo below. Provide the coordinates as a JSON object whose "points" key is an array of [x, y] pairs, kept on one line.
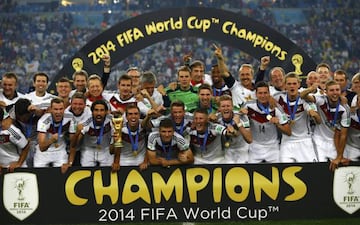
{"points": [[166, 152], [99, 138], [218, 91], [336, 114], [181, 130], [231, 122], [203, 145], [134, 143], [264, 109], [59, 130], [292, 113], [28, 127]]}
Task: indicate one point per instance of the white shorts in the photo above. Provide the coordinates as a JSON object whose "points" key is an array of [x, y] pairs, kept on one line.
{"points": [[6, 158], [44, 159], [352, 153], [235, 156], [325, 149], [90, 157], [132, 160], [264, 153], [298, 151], [198, 160]]}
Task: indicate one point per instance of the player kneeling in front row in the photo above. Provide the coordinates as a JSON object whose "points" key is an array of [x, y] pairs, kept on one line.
{"points": [[167, 148]]}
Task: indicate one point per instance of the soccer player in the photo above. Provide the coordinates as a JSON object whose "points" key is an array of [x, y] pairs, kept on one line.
{"points": [[40, 98], [236, 148], [181, 119], [264, 123], [98, 135], [299, 146], [54, 129], [206, 139], [8, 94], [81, 113], [13, 145], [183, 90], [352, 148], [166, 147], [330, 136], [133, 139]]}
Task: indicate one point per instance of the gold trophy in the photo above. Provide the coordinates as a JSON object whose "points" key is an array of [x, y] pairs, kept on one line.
{"points": [[117, 121]]}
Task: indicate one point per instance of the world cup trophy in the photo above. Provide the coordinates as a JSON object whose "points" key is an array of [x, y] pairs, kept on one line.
{"points": [[117, 121]]}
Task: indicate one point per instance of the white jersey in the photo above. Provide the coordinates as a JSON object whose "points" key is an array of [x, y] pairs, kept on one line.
{"points": [[241, 95], [168, 150], [224, 90], [353, 135], [10, 102], [300, 126], [325, 130], [64, 128], [117, 103], [93, 140], [12, 142], [264, 132], [42, 102], [273, 90], [145, 103], [133, 151], [207, 147], [82, 117], [183, 129], [235, 142], [318, 91]]}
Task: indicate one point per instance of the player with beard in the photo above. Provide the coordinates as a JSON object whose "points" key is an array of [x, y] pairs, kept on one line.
{"points": [[81, 113], [299, 146], [265, 120], [167, 148], [206, 138], [181, 119], [98, 135], [54, 129], [206, 100], [133, 138], [236, 148], [330, 136], [219, 87]]}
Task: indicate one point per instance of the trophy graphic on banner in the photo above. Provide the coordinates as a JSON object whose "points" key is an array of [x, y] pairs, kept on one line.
{"points": [[117, 121]]}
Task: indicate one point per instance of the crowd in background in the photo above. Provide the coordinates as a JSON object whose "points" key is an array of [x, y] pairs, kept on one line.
{"points": [[42, 37]]}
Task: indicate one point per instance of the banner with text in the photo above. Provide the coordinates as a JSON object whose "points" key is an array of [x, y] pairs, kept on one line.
{"points": [[233, 29], [189, 193]]}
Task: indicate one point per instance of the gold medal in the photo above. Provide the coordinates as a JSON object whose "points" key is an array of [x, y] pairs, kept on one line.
{"points": [[292, 122], [56, 145], [268, 117], [135, 153], [98, 147], [227, 144]]}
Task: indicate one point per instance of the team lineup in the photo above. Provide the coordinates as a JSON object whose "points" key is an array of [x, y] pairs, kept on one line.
{"points": [[199, 119]]}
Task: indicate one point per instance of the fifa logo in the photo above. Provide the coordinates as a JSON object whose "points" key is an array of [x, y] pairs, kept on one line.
{"points": [[20, 185], [346, 188], [350, 179], [20, 194]]}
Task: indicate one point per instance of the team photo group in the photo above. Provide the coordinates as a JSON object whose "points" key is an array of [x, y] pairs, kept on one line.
{"points": [[199, 118]]}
